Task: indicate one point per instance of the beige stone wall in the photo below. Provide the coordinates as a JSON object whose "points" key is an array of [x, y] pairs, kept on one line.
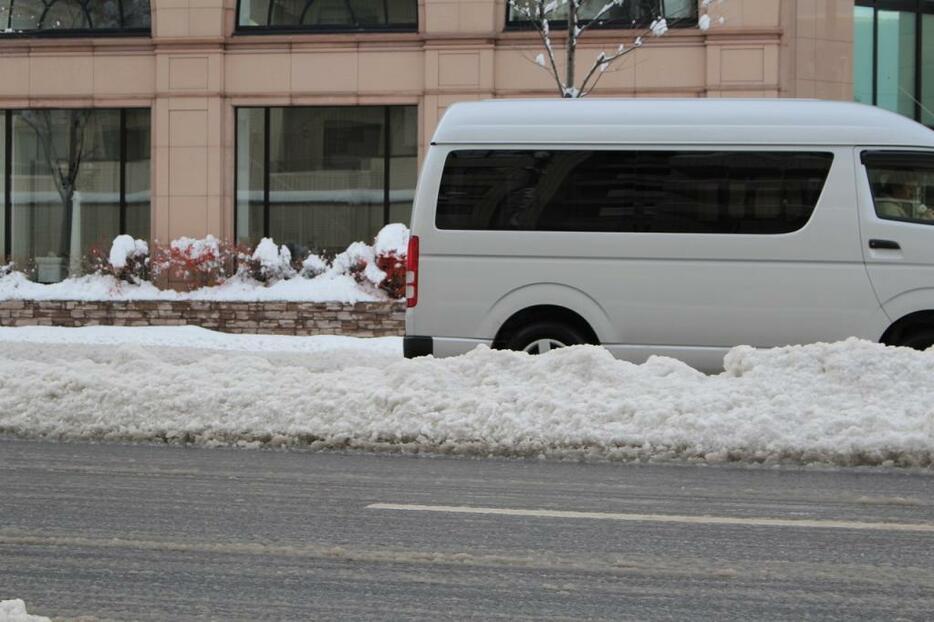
{"points": [[194, 71], [363, 319]]}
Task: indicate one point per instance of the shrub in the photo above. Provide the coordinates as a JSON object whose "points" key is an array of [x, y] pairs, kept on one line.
{"points": [[128, 259], [200, 262], [269, 263]]}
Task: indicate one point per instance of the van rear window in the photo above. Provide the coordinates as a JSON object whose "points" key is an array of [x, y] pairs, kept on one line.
{"points": [[741, 192]]}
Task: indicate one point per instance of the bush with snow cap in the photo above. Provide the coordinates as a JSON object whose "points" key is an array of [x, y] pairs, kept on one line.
{"points": [[128, 259], [197, 261], [270, 263], [313, 265], [381, 265]]}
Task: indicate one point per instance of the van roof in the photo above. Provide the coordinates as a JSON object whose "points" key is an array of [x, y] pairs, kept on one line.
{"points": [[677, 121]]}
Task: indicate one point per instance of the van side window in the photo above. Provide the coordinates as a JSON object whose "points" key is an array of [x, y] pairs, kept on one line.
{"points": [[902, 184], [741, 192]]}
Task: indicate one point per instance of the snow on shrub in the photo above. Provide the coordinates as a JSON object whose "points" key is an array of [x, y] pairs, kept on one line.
{"points": [[198, 261], [128, 259], [391, 246], [269, 263], [313, 265], [6, 269]]}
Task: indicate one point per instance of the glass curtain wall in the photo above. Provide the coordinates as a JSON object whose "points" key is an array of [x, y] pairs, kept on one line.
{"points": [[630, 14], [320, 178], [75, 180], [260, 15], [36, 17], [894, 56]]}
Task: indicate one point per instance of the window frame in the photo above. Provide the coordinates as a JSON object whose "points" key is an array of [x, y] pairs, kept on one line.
{"points": [[919, 8], [561, 25], [298, 29], [64, 33], [6, 251], [893, 156], [267, 158]]}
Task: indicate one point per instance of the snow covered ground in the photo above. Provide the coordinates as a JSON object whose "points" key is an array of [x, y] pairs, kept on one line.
{"points": [[848, 403], [14, 610]]}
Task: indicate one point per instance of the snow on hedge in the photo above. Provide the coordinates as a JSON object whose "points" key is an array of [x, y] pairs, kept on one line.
{"points": [[847, 403], [327, 287], [362, 273]]}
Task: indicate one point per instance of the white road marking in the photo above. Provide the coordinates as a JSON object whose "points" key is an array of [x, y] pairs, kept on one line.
{"points": [[664, 518]]}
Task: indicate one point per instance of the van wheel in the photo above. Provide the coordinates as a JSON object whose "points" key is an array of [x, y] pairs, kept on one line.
{"points": [[544, 336], [919, 340]]}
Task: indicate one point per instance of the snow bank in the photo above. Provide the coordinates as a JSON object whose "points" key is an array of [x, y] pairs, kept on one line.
{"points": [[15, 611], [848, 403], [200, 338]]}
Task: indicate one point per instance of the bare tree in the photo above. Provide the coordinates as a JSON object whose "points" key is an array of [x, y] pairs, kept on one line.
{"points": [[63, 158], [541, 13]]}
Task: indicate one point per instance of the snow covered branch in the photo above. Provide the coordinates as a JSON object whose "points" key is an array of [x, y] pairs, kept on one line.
{"points": [[579, 17]]}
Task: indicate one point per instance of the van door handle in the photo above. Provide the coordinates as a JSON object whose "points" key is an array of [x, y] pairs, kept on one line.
{"points": [[886, 244]]}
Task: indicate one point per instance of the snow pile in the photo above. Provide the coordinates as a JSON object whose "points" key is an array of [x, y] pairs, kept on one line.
{"points": [[125, 248], [15, 611], [848, 403]]}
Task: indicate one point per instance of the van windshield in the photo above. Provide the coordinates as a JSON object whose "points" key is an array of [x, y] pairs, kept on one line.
{"points": [[902, 185], [720, 192]]}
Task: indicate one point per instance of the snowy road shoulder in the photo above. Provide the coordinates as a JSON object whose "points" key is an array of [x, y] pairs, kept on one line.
{"points": [[848, 403]]}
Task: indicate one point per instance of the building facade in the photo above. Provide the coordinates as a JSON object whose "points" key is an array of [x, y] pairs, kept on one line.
{"points": [[305, 120]]}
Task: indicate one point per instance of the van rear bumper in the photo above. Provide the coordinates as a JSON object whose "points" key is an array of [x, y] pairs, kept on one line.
{"points": [[439, 347], [414, 346]]}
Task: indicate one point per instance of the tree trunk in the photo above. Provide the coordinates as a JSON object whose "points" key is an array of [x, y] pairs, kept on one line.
{"points": [[571, 47]]}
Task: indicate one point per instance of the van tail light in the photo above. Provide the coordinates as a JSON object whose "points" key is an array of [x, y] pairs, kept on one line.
{"points": [[411, 273]]}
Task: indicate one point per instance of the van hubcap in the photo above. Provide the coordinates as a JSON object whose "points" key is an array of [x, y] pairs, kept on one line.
{"points": [[540, 346]]}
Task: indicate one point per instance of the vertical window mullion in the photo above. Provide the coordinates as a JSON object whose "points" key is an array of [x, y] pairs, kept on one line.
{"points": [[123, 138], [8, 185], [919, 59], [266, 150], [875, 56], [387, 145]]}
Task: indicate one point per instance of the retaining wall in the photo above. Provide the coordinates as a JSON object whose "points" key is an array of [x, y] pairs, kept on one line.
{"points": [[365, 319]]}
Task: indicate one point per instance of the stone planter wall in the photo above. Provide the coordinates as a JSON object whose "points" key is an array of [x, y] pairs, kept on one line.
{"points": [[365, 319]]}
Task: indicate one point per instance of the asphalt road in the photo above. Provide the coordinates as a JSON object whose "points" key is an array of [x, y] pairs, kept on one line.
{"points": [[117, 532]]}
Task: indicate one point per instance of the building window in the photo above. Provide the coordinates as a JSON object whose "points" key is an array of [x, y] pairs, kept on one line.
{"points": [[893, 56], [320, 178], [72, 181], [719, 192], [633, 14], [326, 15], [74, 17]]}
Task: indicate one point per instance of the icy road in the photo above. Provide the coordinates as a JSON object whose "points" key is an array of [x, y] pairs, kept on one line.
{"points": [[117, 532]]}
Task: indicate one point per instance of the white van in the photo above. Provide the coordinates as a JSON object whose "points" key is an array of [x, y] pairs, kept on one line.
{"points": [[672, 227]]}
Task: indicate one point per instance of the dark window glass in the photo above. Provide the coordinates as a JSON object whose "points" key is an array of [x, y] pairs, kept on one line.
{"points": [[74, 16], [629, 14], [647, 191], [322, 177], [902, 185], [77, 179], [327, 15]]}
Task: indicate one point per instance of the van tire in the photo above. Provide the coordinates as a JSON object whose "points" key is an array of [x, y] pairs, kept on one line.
{"points": [[918, 339], [557, 334]]}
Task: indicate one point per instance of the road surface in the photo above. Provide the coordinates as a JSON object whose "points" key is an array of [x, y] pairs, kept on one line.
{"points": [[118, 532]]}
